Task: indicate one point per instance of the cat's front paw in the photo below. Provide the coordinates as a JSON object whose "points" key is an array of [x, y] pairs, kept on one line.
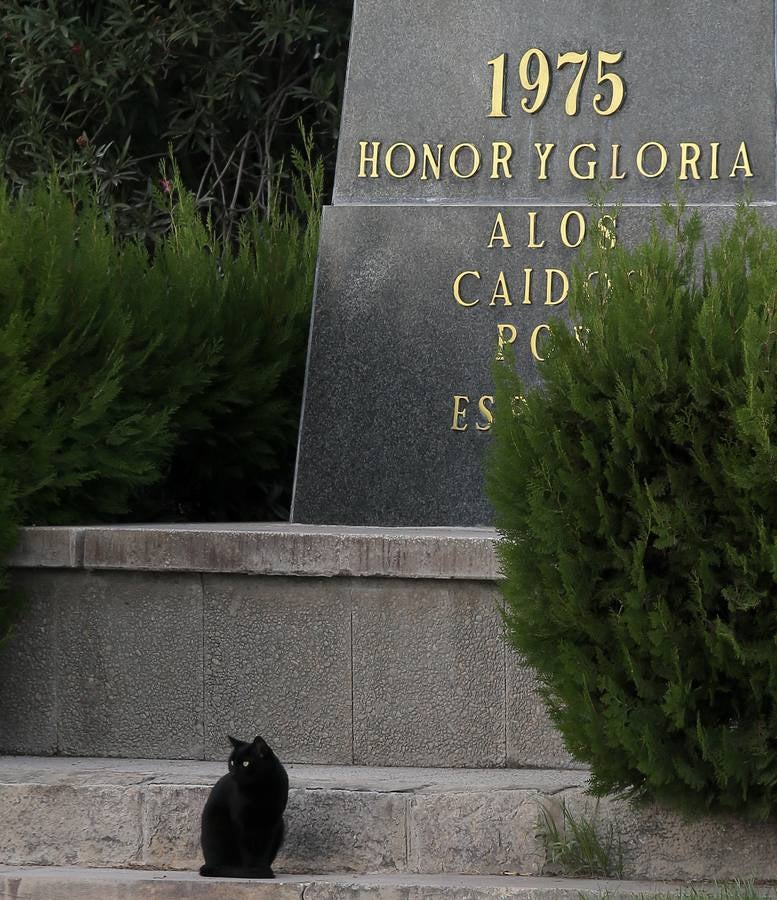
{"points": [[206, 871]]}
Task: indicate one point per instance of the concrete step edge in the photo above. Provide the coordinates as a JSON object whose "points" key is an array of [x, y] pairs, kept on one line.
{"points": [[138, 813], [64, 883], [271, 548], [95, 771]]}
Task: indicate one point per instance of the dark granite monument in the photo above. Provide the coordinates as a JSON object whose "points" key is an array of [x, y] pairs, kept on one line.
{"points": [[472, 137]]}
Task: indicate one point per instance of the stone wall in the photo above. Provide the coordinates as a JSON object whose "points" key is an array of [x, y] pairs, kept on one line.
{"points": [[340, 645]]}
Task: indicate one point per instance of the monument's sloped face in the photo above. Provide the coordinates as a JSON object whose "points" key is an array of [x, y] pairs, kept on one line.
{"points": [[626, 83], [472, 137]]}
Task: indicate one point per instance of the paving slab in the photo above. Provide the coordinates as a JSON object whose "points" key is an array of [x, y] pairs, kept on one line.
{"points": [[129, 664], [158, 661], [359, 820], [339, 818], [29, 692], [29, 883], [531, 737]]}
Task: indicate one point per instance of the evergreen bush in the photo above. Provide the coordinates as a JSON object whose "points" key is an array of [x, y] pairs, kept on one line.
{"points": [[236, 440], [79, 432], [138, 385], [636, 491], [75, 440]]}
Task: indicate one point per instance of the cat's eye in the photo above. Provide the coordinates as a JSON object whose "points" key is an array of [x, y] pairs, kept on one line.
{"points": [[246, 763]]}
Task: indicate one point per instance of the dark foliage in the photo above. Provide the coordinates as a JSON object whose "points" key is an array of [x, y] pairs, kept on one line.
{"points": [[101, 89], [137, 384]]}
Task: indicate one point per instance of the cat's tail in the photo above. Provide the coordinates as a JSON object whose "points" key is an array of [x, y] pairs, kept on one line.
{"points": [[235, 872]]}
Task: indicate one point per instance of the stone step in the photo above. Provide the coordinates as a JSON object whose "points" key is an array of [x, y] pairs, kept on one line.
{"points": [[55, 883], [145, 814]]}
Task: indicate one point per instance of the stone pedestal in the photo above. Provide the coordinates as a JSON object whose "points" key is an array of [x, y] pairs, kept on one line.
{"points": [[472, 138]]}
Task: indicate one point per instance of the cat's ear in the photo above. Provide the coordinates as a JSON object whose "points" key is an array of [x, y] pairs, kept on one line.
{"points": [[234, 741], [260, 746]]}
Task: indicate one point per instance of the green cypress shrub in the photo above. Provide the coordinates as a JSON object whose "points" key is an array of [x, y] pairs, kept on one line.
{"points": [[78, 440], [137, 385], [636, 491], [236, 439], [121, 369]]}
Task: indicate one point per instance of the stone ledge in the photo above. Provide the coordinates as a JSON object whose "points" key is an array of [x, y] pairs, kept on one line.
{"points": [[78, 771], [266, 549], [49, 548], [31, 883], [362, 820], [405, 823]]}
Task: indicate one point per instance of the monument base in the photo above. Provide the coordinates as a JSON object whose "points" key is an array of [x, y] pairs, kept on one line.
{"points": [[412, 305], [360, 646]]}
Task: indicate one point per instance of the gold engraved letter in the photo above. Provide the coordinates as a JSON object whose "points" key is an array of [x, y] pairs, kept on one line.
{"points": [[372, 159], [533, 245], [454, 160], [431, 161], [742, 162], [527, 274], [615, 175], [580, 219], [484, 408], [457, 289], [501, 153], [572, 103], [507, 334], [593, 279], [460, 402], [498, 86], [501, 292], [549, 276], [411, 158], [591, 163], [543, 151], [689, 159], [714, 148], [533, 343], [541, 83], [499, 232], [641, 159], [618, 87]]}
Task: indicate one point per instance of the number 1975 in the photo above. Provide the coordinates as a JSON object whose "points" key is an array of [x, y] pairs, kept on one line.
{"points": [[534, 75]]}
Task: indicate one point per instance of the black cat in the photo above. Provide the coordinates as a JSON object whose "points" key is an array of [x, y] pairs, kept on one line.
{"points": [[242, 822]]}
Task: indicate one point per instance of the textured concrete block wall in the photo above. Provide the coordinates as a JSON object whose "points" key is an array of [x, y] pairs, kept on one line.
{"points": [[365, 668]]}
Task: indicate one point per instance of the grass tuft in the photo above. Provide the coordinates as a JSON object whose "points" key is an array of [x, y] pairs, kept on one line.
{"points": [[734, 890], [578, 846]]}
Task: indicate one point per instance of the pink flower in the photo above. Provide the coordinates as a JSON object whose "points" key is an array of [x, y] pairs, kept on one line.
{"points": [[82, 140], [166, 185], [76, 49]]}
